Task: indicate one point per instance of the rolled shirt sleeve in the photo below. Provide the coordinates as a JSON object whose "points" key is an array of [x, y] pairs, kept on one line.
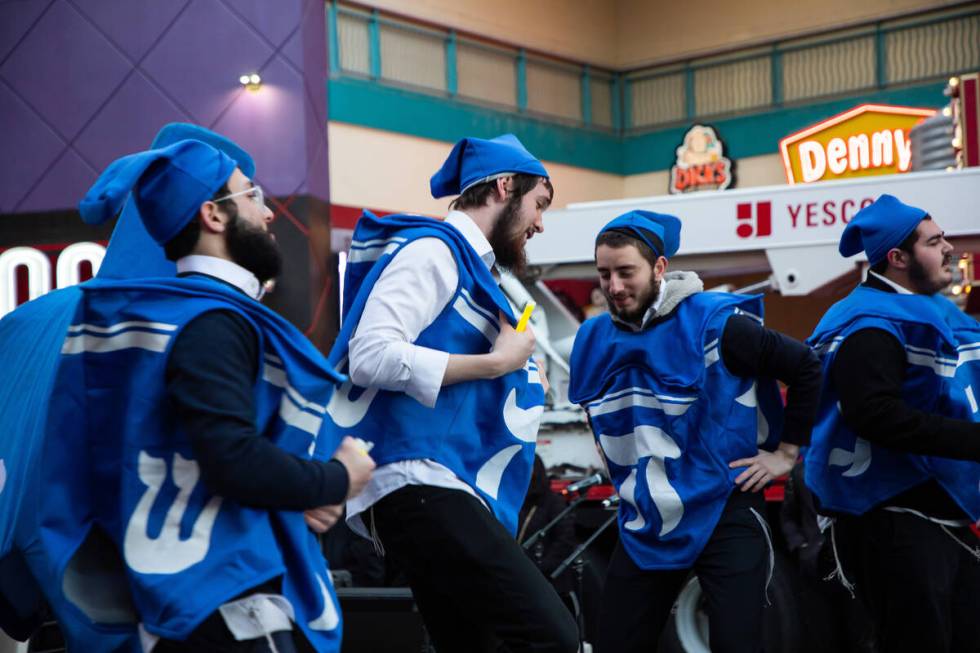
{"points": [[409, 295]]}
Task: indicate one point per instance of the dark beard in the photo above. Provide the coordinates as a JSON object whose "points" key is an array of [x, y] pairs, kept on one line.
{"points": [[920, 279], [635, 317], [507, 241], [253, 249]]}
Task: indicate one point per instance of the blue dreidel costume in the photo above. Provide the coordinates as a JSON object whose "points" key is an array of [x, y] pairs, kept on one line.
{"points": [[483, 431], [847, 473], [667, 413], [30, 342], [111, 455]]}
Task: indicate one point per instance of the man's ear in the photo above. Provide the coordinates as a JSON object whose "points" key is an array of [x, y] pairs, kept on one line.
{"points": [[213, 220], [897, 258], [501, 188], [660, 268]]}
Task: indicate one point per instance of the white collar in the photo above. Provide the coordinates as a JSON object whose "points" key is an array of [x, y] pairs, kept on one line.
{"points": [[223, 269], [473, 235], [900, 289]]}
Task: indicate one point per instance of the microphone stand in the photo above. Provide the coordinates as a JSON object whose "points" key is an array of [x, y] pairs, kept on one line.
{"points": [[540, 533], [579, 569]]}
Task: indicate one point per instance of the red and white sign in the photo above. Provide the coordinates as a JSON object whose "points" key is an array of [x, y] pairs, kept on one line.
{"points": [[754, 219], [766, 218], [701, 163]]}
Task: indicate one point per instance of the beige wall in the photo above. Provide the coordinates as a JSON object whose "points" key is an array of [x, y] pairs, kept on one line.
{"points": [[583, 30], [388, 171], [383, 170], [764, 170], [632, 33], [655, 31]]}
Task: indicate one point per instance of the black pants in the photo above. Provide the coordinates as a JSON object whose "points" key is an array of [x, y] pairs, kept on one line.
{"points": [[213, 636], [922, 587], [475, 588], [732, 569]]}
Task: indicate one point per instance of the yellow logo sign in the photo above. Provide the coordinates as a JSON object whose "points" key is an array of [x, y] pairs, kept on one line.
{"points": [[871, 139]]}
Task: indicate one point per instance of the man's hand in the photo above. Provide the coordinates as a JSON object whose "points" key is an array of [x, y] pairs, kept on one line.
{"points": [[544, 377], [512, 349], [322, 518], [359, 464], [765, 466]]}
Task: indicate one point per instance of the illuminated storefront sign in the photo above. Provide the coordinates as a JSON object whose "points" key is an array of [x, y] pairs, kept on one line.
{"points": [[26, 273], [701, 163], [871, 139]]}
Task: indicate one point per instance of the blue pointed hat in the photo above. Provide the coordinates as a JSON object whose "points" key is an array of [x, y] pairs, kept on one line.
{"points": [[132, 252], [661, 232], [879, 227], [168, 184], [475, 160]]}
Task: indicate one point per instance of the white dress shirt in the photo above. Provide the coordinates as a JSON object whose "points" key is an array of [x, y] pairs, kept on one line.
{"points": [[223, 269], [900, 289], [409, 295]]}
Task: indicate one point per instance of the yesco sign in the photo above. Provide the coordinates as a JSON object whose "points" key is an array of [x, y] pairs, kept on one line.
{"points": [[872, 139]]}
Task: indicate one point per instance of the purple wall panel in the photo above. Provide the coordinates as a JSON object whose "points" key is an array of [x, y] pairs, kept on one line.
{"points": [[133, 115], [315, 55], [271, 120], [70, 176], [83, 82], [29, 148], [198, 61], [46, 71], [16, 19], [133, 27]]}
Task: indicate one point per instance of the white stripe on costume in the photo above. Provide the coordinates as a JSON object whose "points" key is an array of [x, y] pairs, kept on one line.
{"points": [[640, 398], [85, 342], [121, 326], [371, 250], [476, 319]]}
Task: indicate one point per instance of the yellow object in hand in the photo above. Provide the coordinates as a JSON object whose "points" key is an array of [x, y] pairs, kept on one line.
{"points": [[525, 316], [363, 447]]}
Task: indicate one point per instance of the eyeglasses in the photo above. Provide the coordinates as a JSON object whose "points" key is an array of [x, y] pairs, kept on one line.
{"points": [[254, 193]]}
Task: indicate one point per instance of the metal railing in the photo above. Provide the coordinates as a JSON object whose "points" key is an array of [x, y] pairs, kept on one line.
{"points": [[867, 58]]}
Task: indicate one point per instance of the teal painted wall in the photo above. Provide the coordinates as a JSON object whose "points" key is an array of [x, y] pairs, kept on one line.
{"points": [[369, 104]]}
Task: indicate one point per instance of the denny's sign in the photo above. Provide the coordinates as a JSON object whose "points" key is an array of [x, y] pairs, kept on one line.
{"points": [[871, 139]]}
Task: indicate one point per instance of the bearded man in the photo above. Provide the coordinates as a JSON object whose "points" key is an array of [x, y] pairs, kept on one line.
{"points": [[680, 389], [443, 386], [896, 448], [184, 460]]}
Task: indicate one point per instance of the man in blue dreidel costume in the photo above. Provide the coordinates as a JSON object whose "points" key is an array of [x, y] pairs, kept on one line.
{"points": [[680, 389], [30, 342], [184, 440], [896, 448], [443, 386]]}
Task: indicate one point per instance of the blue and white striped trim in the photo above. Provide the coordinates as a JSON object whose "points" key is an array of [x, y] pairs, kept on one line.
{"points": [[712, 353], [928, 358], [478, 317], [742, 311], [968, 353], [91, 338], [640, 398], [294, 409], [363, 251], [533, 372], [828, 346]]}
